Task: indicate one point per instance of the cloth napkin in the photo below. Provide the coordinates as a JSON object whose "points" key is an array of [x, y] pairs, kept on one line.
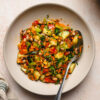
{"points": [[4, 90]]}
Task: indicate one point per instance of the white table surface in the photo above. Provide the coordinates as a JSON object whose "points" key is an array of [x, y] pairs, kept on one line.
{"points": [[89, 89]]}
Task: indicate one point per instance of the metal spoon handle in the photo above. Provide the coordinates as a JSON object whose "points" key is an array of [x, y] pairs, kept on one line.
{"points": [[58, 96]]}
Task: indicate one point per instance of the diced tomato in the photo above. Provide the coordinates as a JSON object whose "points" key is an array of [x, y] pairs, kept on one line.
{"points": [[38, 68], [23, 46], [51, 26], [26, 62], [53, 58], [53, 50], [24, 36], [63, 72], [23, 51], [59, 70], [47, 44], [45, 70], [49, 80], [69, 30], [67, 76], [30, 76], [69, 42], [36, 48], [67, 53], [64, 65], [36, 22], [42, 26]]}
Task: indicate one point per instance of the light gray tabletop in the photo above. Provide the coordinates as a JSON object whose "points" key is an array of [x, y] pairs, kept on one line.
{"points": [[89, 89]]}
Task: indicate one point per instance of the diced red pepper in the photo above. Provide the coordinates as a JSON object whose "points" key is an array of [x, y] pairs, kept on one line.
{"points": [[49, 80], [27, 62], [24, 36], [36, 22], [45, 70], [23, 46], [69, 30], [42, 26], [67, 53], [47, 44], [63, 72], [53, 50], [38, 68], [64, 65]]}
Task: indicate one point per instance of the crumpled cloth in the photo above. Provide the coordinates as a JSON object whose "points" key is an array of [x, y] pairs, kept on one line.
{"points": [[4, 90]]}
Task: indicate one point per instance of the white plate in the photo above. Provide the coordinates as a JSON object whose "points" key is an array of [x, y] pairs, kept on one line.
{"points": [[24, 20]]}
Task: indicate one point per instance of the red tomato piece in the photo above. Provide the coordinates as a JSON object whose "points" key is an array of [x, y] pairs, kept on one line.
{"points": [[64, 65], [49, 80], [23, 46], [53, 50], [69, 30], [47, 44], [24, 36], [42, 26], [36, 22], [67, 53], [45, 70], [51, 26]]}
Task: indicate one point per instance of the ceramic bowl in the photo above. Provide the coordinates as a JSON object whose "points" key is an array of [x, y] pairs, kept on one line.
{"points": [[25, 20]]}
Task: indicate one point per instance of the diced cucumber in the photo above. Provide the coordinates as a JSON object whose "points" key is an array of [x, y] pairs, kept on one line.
{"points": [[59, 55], [42, 77], [47, 31], [58, 26], [66, 59], [32, 63], [37, 58], [35, 44], [36, 37], [44, 20], [59, 76], [38, 30], [58, 48], [23, 69], [64, 34], [59, 65], [21, 55], [72, 67], [54, 78], [75, 40], [19, 61], [64, 46], [36, 75], [53, 42]]}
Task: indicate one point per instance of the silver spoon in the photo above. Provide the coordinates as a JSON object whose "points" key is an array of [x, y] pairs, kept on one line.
{"points": [[75, 58]]}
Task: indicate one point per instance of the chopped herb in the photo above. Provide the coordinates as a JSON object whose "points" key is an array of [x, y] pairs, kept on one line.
{"points": [[53, 70], [48, 16], [28, 45], [57, 82], [57, 31], [42, 38]]}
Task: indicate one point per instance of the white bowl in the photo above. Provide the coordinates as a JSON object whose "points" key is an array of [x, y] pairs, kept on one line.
{"points": [[24, 20]]}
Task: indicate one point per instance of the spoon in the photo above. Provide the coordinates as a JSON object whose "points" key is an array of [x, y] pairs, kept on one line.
{"points": [[75, 58]]}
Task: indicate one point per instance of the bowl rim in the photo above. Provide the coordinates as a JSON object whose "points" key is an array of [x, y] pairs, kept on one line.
{"points": [[41, 4]]}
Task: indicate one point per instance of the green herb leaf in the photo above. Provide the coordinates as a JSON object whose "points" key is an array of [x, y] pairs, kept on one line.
{"points": [[57, 31], [42, 38], [28, 45]]}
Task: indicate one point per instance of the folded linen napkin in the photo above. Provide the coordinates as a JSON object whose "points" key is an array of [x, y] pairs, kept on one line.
{"points": [[4, 89]]}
